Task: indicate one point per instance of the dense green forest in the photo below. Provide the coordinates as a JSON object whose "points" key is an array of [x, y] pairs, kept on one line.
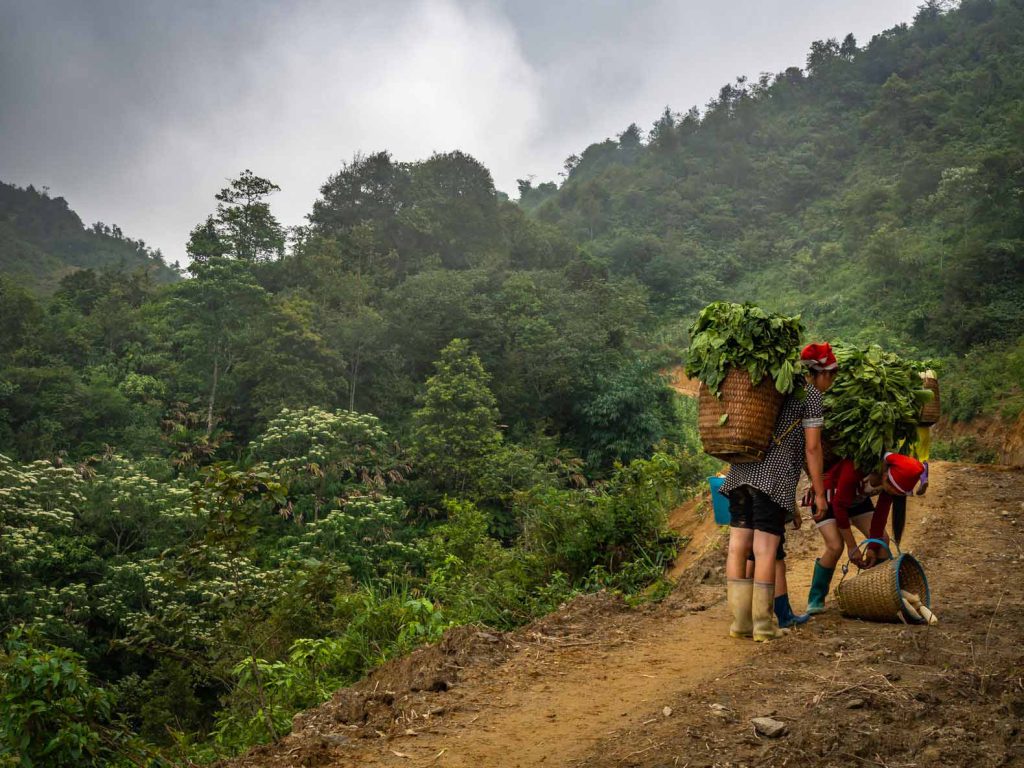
{"points": [[224, 496], [878, 191]]}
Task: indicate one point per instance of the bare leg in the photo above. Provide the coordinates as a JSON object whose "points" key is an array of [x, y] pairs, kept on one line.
{"points": [[833, 545], [741, 542], [765, 547], [863, 524], [781, 587]]}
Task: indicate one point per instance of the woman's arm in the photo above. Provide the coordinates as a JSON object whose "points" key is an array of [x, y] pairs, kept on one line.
{"points": [[815, 457], [848, 480]]}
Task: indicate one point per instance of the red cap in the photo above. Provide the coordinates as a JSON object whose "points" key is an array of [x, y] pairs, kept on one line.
{"points": [[819, 357], [903, 472]]}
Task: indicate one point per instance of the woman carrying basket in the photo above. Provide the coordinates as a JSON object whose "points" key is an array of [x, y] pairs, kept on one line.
{"points": [[761, 493]]}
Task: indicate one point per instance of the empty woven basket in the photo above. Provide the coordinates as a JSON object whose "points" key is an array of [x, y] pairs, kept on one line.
{"points": [[874, 594]]}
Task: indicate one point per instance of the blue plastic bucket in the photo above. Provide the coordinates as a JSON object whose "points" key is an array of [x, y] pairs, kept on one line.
{"points": [[719, 503]]}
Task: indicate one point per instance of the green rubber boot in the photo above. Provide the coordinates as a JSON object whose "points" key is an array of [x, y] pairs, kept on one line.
{"points": [[820, 583]]}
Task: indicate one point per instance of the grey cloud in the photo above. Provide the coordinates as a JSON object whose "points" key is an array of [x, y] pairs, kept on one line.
{"points": [[137, 111]]}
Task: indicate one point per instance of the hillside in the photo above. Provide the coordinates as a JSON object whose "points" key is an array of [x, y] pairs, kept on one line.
{"points": [[878, 189], [42, 240]]}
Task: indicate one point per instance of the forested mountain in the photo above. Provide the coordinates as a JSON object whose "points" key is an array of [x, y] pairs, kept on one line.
{"points": [[297, 463], [42, 240], [879, 190], [224, 496]]}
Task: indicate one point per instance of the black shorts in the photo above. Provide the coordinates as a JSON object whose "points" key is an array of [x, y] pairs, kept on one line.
{"points": [[856, 509], [751, 508]]}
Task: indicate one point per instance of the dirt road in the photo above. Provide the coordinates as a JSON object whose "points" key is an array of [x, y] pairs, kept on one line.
{"points": [[599, 684]]}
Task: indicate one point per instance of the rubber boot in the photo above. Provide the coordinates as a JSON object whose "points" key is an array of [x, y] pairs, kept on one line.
{"points": [[784, 613], [820, 583], [763, 613], [738, 593]]}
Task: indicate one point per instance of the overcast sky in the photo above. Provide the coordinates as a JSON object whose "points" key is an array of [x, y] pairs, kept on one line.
{"points": [[138, 111]]}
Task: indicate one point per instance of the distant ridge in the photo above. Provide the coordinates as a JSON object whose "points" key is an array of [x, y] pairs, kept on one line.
{"points": [[42, 240]]}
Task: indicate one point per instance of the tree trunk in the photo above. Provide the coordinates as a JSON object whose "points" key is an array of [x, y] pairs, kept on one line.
{"points": [[353, 373], [213, 395]]}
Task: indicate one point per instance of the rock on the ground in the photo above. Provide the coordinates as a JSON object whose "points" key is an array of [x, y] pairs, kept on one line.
{"points": [[770, 727]]}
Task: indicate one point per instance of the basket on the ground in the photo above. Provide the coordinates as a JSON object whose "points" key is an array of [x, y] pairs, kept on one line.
{"points": [[874, 594], [749, 412], [931, 410]]}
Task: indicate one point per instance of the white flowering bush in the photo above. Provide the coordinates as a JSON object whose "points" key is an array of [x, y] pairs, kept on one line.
{"points": [[181, 600], [41, 550], [317, 440], [326, 456], [367, 534]]}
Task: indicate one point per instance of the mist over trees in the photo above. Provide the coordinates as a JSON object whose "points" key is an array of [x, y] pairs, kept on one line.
{"points": [[225, 494]]}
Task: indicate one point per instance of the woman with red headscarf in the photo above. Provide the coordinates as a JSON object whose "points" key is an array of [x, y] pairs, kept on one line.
{"points": [[848, 491]]}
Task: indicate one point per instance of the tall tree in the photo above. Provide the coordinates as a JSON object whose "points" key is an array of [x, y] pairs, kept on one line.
{"points": [[456, 426], [243, 227]]}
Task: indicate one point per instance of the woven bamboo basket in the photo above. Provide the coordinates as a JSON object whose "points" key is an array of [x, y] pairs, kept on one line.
{"points": [[746, 434], [874, 594], [931, 410]]}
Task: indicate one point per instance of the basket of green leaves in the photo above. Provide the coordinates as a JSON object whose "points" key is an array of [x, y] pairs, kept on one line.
{"points": [[931, 410], [873, 405], [746, 360]]}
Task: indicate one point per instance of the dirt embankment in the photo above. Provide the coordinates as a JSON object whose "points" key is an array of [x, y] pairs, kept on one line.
{"points": [[600, 685]]}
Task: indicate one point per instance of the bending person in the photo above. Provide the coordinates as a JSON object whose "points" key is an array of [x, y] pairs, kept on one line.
{"points": [[849, 503], [901, 474], [848, 490], [761, 493]]}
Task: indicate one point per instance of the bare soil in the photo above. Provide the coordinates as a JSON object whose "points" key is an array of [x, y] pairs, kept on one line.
{"points": [[599, 684]]}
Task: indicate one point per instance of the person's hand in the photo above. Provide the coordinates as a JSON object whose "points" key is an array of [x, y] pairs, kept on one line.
{"points": [[798, 520], [870, 558], [820, 507]]}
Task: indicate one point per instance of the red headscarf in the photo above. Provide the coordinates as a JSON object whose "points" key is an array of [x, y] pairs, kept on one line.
{"points": [[819, 357], [903, 472]]}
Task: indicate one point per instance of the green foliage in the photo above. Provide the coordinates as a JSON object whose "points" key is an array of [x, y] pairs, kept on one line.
{"points": [[744, 336], [985, 381], [627, 413], [872, 405], [576, 530], [456, 426], [51, 712], [876, 192], [319, 452], [367, 534], [243, 228], [377, 626], [479, 580]]}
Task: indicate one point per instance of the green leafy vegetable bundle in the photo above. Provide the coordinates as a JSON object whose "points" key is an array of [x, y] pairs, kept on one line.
{"points": [[727, 335], [872, 405]]}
